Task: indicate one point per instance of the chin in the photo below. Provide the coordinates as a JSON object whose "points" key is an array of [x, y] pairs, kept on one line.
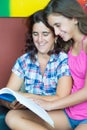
{"points": [[42, 53], [66, 39]]}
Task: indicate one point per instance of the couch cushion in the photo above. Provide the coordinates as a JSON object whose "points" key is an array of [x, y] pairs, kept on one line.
{"points": [[3, 112]]}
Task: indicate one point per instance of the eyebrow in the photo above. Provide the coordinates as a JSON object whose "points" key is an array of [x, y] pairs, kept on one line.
{"points": [[45, 32], [42, 32], [56, 23]]}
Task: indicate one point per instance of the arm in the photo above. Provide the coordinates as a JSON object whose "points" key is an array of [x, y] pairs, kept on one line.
{"points": [[63, 88], [64, 82], [14, 83], [67, 101], [72, 99]]}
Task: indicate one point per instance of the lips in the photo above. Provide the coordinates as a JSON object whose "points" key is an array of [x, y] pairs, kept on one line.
{"points": [[42, 44], [61, 36]]}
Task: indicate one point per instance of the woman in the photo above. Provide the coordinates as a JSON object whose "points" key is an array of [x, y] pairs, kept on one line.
{"points": [[44, 71], [70, 23]]}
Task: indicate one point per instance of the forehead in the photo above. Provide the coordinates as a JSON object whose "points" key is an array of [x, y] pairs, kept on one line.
{"points": [[56, 18], [40, 26]]}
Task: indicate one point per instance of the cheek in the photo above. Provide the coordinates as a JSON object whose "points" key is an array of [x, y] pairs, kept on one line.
{"points": [[51, 38], [70, 27], [66, 29], [34, 39], [70, 30], [51, 42]]}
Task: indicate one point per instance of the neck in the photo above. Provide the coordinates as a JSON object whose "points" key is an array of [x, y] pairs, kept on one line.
{"points": [[77, 37], [43, 56], [43, 60]]}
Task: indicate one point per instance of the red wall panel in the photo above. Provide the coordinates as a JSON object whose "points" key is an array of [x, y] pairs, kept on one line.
{"points": [[12, 42]]}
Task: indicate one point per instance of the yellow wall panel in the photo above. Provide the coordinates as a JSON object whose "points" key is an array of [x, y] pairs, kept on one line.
{"points": [[25, 8]]}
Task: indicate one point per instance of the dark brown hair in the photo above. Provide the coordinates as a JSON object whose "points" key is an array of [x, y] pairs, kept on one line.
{"points": [[30, 47]]}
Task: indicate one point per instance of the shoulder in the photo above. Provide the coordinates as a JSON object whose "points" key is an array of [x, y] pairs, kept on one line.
{"points": [[85, 45], [24, 58], [63, 55]]}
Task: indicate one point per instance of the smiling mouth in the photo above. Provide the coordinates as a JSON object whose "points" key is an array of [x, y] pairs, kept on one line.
{"points": [[42, 44], [61, 36]]}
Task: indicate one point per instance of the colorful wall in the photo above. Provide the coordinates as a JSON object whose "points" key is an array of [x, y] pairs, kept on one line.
{"points": [[12, 42], [13, 29], [20, 8], [23, 8], [13, 14], [83, 4]]}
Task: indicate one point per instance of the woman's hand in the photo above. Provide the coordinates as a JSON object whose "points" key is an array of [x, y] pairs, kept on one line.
{"points": [[14, 105], [5, 103]]}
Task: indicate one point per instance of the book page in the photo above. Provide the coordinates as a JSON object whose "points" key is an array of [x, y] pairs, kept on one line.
{"points": [[30, 105]]}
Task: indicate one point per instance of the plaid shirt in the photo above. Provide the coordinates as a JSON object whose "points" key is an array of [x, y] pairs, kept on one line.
{"points": [[34, 81]]}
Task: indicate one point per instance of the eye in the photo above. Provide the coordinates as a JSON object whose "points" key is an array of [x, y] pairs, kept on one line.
{"points": [[34, 33], [57, 25], [46, 33]]}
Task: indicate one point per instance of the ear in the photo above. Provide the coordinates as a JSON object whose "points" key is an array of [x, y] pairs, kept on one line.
{"points": [[56, 40], [75, 20]]}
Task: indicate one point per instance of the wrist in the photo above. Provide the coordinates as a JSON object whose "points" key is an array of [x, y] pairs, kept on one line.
{"points": [[50, 106], [1, 102]]}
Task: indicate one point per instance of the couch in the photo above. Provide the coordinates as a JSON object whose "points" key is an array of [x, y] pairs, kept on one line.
{"points": [[3, 112]]}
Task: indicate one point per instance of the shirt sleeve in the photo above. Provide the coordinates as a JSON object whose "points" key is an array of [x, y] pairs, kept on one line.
{"points": [[18, 68], [63, 68]]}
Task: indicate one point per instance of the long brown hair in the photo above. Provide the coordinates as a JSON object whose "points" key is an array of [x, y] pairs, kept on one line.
{"points": [[70, 9]]}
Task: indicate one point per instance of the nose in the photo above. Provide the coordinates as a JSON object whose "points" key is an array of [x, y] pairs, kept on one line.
{"points": [[57, 31], [40, 38]]}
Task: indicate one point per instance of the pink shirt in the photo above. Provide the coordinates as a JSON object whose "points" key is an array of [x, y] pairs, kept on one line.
{"points": [[78, 67]]}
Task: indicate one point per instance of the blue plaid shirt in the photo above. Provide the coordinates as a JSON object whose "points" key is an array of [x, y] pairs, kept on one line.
{"points": [[34, 81]]}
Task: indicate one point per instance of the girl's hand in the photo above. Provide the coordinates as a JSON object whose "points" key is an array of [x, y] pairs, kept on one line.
{"points": [[43, 103]]}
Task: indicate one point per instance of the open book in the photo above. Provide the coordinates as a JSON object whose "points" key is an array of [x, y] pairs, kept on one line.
{"points": [[10, 95]]}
